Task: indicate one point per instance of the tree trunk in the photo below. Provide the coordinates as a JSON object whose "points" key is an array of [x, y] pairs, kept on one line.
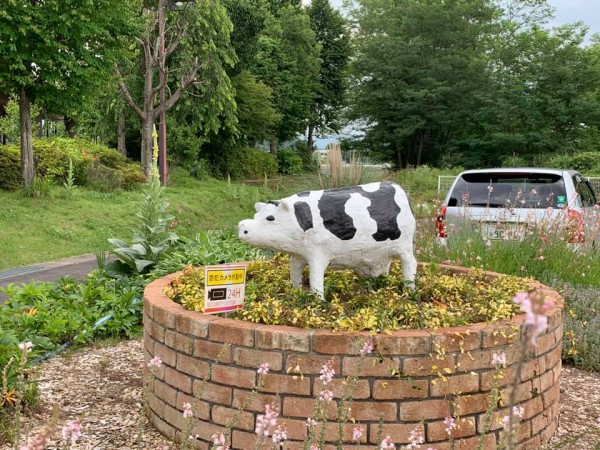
{"points": [[309, 139], [399, 157], [273, 146], [147, 144], [121, 134], [70, 127], [27, 165], [420, 151]]}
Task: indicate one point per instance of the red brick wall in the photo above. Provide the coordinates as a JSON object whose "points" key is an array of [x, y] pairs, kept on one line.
{"points": [[436, 373]]}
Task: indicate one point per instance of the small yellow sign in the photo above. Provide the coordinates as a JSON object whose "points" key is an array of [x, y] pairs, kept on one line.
{"points": [[225, 285], [221, 277]]}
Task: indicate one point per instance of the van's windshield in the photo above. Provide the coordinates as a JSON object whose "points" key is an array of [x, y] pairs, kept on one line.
{"points": [[513, 190]]}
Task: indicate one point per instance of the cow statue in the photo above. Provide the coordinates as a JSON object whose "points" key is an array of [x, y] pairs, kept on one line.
{"points": [[360, 228]]}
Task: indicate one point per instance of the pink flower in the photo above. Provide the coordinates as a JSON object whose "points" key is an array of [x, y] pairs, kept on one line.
{"points": [[326, 395], [263, 369], [71, 431], [499, 359], [519, 411], [311, 423], [535, 313], [505, 422], [450, 424], [357, 434], [314, 447], [35, 443], [155, 362], [367, 348], [416, 438], [387, 444], [327, 373], [280, 434], [218, 439], [187, 410], [264, 422]]}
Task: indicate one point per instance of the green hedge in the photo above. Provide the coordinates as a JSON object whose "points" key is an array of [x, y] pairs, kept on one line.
{"points": [[52, 162], [242, 163]]}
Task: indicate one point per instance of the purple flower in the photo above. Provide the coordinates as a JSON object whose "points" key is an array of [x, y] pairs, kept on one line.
{"points": [[187, 410], [416, 438]]}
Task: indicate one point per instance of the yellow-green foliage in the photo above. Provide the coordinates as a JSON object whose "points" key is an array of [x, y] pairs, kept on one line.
{"points": [[439, 300], [188, 289]]}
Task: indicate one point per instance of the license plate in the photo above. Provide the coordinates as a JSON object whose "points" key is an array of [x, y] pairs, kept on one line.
{"points": [[501, 232]]}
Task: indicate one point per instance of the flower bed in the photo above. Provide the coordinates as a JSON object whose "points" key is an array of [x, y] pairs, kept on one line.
{"points": [[414, 379]]}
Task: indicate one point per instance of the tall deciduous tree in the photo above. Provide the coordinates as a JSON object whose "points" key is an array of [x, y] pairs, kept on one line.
{"points": [[415, 61], [333, 36], [197, 53], [288, 62], [52, 51]]}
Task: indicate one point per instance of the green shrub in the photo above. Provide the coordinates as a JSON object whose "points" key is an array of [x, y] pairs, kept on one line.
{"points": [[103, 179], [585, 162], [52, 158], [242, 163], [289, 162], [309, 164], [10, 168], [200, 169], [581, 337]]}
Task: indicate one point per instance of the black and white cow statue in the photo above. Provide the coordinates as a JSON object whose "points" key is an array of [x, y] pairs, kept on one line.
{"points": [[361, 228]]}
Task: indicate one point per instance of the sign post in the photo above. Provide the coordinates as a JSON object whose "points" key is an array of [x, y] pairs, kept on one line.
{"points": [[224, 287]]}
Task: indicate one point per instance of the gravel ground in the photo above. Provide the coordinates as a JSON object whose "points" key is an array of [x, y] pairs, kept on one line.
{"points": [[101, 386]]}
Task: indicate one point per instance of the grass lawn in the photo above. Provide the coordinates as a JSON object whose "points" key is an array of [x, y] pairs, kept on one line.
{"points": [[34, 230]]}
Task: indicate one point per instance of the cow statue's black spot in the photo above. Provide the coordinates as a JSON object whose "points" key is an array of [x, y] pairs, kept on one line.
{"points": [[383, 210], [303, 215]]}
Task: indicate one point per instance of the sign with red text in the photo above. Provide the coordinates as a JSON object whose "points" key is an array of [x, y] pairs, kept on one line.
{"points": [[224, 287]]}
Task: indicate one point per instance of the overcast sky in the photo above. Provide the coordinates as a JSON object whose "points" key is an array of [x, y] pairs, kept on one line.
{"points": [[567, 11]]}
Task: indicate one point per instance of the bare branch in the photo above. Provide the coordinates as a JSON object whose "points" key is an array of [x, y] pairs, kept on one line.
{"points": [[174, 98], [175, 42], [128, 98]]}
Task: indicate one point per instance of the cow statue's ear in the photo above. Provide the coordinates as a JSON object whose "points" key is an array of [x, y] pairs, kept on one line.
{"points": [[285, 205], [258, 206]]}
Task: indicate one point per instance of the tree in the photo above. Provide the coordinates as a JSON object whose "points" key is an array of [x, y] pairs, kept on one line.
{"points": [[198, 51], [418, 72], [288, 62], [53, 51], [333, 36]]}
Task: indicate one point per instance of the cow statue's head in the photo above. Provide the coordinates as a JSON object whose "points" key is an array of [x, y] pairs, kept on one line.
{"points": [[272, 227]]}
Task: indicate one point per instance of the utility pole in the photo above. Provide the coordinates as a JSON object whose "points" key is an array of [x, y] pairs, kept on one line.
{"points": [[162, 124]]}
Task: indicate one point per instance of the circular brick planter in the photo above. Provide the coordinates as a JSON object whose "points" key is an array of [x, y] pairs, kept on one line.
{"points": [[415, 395]]}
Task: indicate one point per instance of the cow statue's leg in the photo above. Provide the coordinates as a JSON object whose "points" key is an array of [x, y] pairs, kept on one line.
{"points": [[409, 265], [297, 264], [318, 264]]}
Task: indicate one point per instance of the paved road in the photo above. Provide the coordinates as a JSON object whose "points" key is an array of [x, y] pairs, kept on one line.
{"points": [[77, 266]]}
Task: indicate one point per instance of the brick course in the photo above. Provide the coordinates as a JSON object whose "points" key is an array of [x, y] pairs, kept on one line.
{"points": [[417, 375]]}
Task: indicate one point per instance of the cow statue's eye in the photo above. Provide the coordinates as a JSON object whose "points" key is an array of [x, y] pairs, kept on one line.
{"points": [[270, 218]]}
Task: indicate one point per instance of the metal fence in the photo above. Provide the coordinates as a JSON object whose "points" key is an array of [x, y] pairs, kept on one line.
{"points": [[445, 182]]}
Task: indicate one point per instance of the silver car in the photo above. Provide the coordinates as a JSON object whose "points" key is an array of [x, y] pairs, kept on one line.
{"points": [[506, 204]]}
